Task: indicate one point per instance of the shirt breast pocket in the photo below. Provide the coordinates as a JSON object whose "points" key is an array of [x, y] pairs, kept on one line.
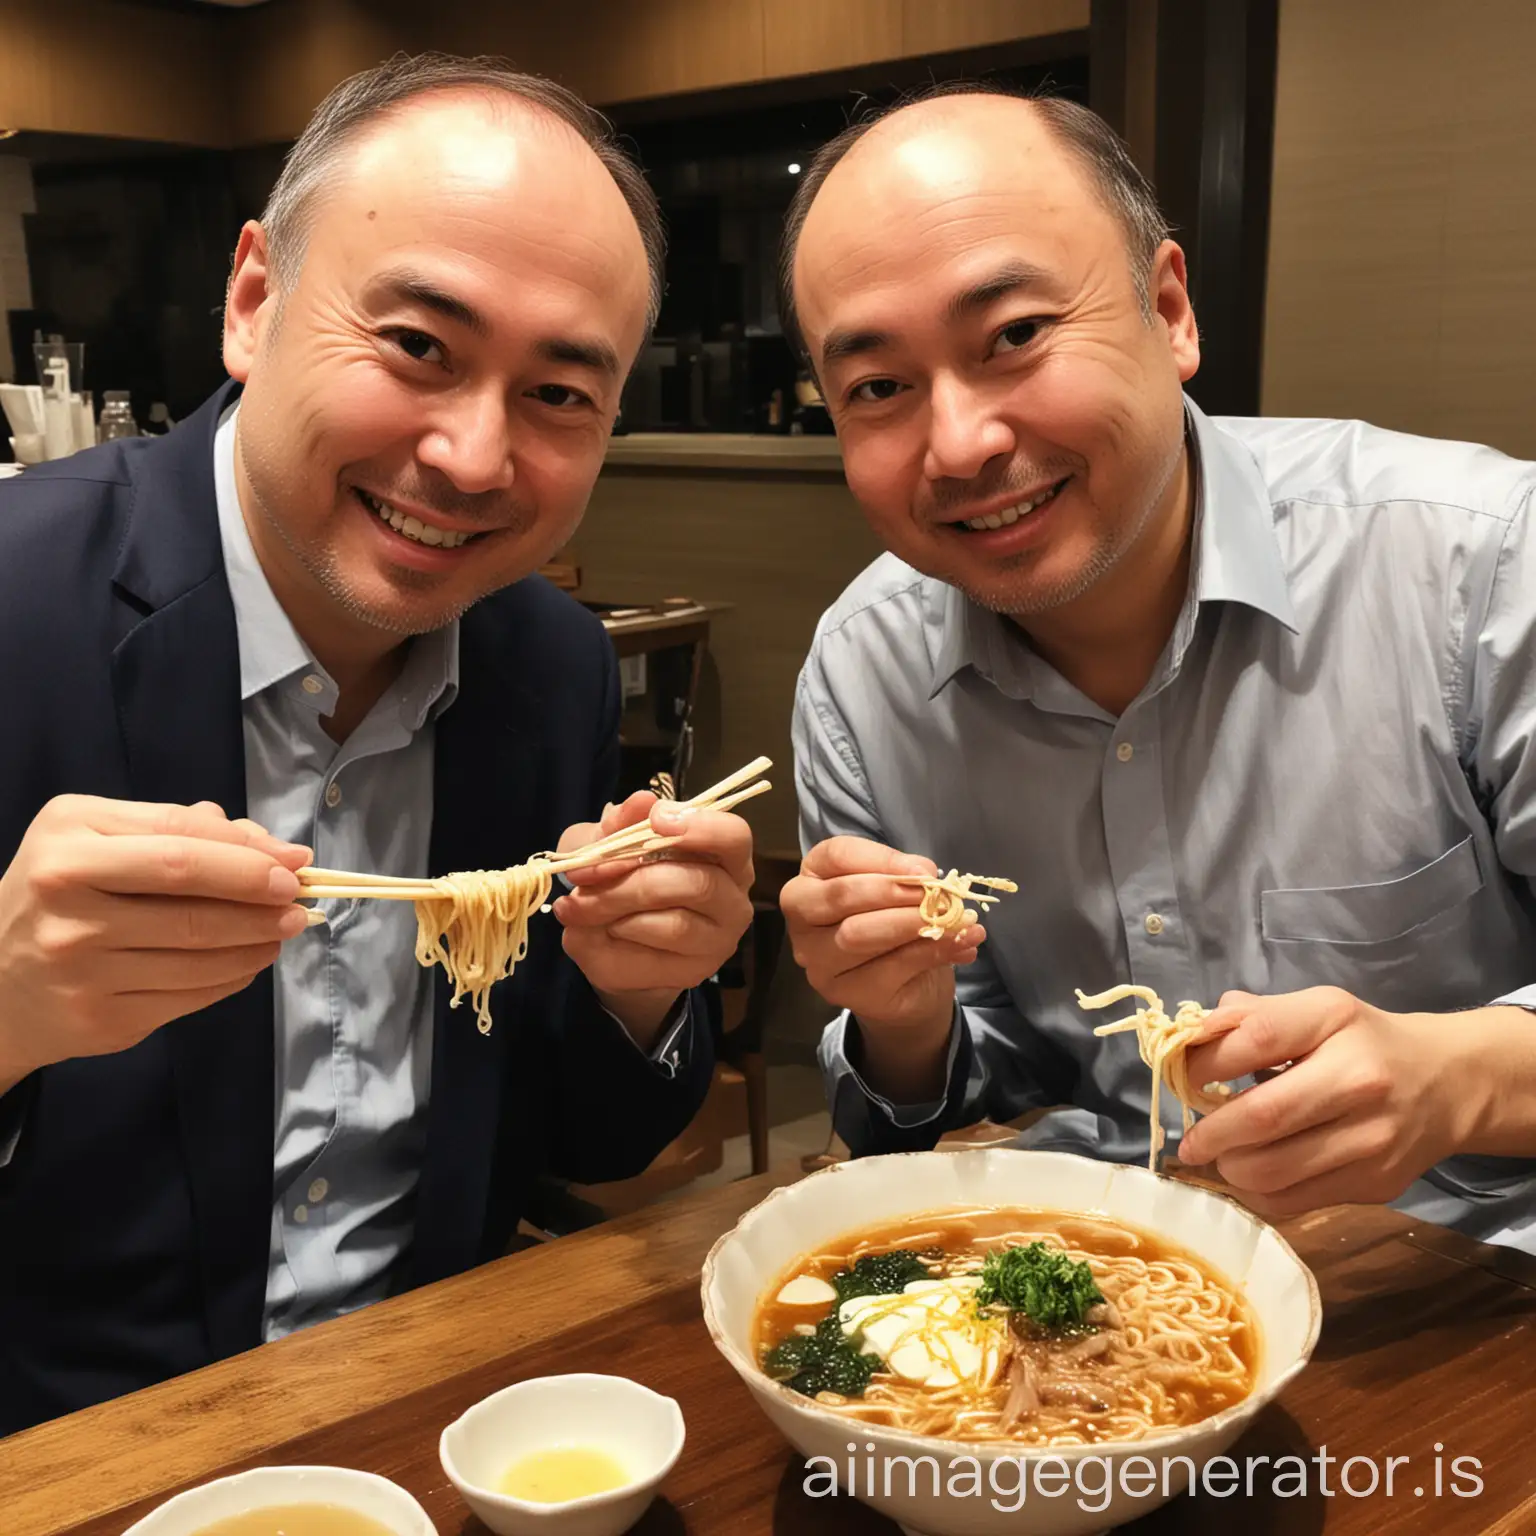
{"points": [[1373, 914]]}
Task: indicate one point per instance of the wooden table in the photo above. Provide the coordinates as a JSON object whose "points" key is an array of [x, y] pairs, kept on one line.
{"points": [[1427, 1338], [644, 633]]}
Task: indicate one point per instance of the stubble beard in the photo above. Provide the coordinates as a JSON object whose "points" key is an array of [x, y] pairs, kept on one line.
{"points": [[1022, 597]]}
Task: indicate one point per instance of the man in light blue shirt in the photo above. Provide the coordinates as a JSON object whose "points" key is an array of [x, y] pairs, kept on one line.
{"points": [[1245, 707]]}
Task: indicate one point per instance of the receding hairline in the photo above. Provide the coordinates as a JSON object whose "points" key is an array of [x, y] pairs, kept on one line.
{"points": [[1097, 154], [377, 98], [497, 103], [945, 107]]}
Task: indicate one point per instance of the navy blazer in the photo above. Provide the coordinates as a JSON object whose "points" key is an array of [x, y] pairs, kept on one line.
{"points": [[136, 1213]]}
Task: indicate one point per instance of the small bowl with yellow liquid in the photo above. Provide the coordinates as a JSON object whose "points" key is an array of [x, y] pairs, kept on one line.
{"points": [[290, 1501], [578, 1455]]}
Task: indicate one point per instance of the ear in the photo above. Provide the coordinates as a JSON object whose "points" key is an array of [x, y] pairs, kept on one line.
{"points": [[1168, 289], [249, 302]]}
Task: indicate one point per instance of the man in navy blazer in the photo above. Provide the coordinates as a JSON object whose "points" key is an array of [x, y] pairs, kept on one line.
{"points": [[304, 627]]}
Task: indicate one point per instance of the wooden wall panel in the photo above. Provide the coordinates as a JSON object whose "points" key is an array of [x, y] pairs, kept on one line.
{"points": [[1403, 231], [810, 35], [95, 66], [610, 51], [940, 26], [779, 547], [666, 47], [288, 54]]}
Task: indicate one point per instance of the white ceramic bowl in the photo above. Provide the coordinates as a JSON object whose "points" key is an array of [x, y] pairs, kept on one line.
{"points": [[640, 1429], [264, 1487], [800, 1217]]}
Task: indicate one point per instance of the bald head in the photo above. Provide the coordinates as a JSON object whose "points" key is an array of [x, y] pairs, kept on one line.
{"points": [[367, 103], [1001, 335], [923, 145]]}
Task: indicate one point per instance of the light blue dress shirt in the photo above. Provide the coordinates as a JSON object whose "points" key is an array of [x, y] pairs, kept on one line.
{"points": [[353, 1009], [1329, 778]]}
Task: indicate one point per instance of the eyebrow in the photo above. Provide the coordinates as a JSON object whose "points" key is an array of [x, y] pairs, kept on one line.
{"points": [[412, 288], [841, 344], [1009, 278], [597, 355]]}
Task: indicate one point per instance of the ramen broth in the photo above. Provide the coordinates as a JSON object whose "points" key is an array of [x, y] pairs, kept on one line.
{"points": [[1167, 1342], [297, 1520]]}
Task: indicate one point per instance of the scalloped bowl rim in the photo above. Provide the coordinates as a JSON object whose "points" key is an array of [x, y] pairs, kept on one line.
{"points": [[166, 1515], [468, 1488], [802, 1407]]}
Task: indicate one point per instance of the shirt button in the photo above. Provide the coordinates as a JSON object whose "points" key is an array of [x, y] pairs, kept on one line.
{"points": [[312, 684], [1154, 924], [1125, 751], [333, 794], [301, 1214], [318, 1191]]}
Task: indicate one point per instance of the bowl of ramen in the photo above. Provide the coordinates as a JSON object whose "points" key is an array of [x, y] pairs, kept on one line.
{"points": [[1000, 1340], [290, 1501]]}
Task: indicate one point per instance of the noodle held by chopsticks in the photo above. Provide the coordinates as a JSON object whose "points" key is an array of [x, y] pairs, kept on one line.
{"points": [[475, 923], [944, 897], [1164, 1044]]}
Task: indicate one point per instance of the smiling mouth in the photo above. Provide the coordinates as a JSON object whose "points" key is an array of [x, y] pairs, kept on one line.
{"points": [[1006, 516], [412, 527]]}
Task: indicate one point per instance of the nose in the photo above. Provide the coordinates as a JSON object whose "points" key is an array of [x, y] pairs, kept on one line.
{"points": [[470, 442], [965, 430]]}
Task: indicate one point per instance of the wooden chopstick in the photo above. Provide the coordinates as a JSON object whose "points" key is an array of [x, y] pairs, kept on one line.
{"points": [[320, 884]]}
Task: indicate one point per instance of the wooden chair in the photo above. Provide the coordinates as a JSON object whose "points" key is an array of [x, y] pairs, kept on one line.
{"points": [[745, 988]]}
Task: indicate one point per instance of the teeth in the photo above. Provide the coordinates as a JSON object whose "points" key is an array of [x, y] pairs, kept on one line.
{"points": [[413, 527], [1010, 515]]}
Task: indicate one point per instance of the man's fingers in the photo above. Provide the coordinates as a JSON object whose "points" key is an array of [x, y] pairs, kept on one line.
{"points": [[862, 856], [1293, 1102], [650, 887], [1306, 1156], [130, 864], [630, 813], [621, 965], [120, 818], [872, 934], [191, 970], [825, 903], [174, 923], [883, 978], [719, 836], [676, 931], [1269, 1032]]}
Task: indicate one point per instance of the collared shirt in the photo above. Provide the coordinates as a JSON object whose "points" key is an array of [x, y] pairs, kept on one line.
{"points": [[1329, 778], [353, 1009]]}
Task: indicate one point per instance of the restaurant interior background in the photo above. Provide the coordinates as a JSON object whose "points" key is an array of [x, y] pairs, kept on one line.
{"points": [[1352, 181]]}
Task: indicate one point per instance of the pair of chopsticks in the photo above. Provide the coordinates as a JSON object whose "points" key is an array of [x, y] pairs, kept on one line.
{"points": [[632, 842]]}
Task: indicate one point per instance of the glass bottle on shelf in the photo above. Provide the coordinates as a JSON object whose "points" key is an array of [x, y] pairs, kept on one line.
{"points": [[116, 416]]}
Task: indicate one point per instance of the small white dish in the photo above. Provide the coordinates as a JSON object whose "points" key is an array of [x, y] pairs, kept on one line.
{"points": [[639, 1428], [271, 1487]]}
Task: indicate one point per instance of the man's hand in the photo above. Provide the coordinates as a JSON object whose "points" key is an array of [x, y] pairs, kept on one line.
{"points": [[116, 917], [1369, 1101], [855, 931], [643, 931]]}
